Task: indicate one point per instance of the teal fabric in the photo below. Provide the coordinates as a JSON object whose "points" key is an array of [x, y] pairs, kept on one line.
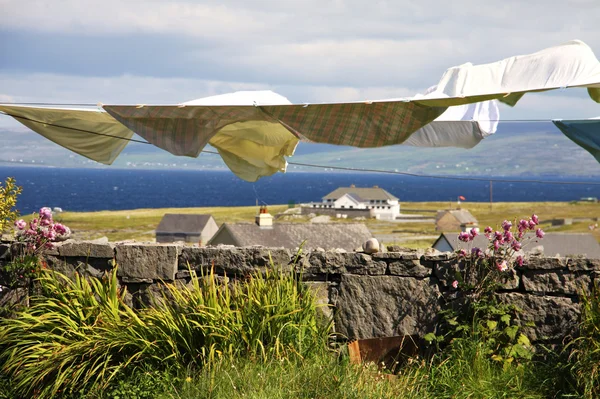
{"points": [[585, 133]]}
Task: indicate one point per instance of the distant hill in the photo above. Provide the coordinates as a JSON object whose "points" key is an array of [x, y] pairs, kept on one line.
{"points": [[516, 149]]}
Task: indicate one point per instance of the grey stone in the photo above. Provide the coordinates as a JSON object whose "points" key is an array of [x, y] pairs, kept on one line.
{"points": [[86, 249], [133, 280], [446, 272], [340, 263], [556, 282], [5, 252], [234, 261], [579, 264], [509, 280], [412, 268], [383, 306], [550, 318], [321, 292], [371, 246], [398, 248], [154, 262], [13, 297], [544, 263]]}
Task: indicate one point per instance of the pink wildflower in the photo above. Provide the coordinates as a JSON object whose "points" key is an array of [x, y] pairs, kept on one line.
{"points": [[516, 245], [523, 224], [508, 236], [488, 229], [473, 232], [455, 284], [464, 236], [59, 228], [496, 245], [45, 222], [532, 225], [535, 219], [520, 260], [45, 213], [539, 233], [50, 235], [462, 253], [20, 224], [502, 266], [506, 225], [477, 252]]}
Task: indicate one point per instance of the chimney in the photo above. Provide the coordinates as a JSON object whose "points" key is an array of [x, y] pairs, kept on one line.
{"points": [[264, 218], [352, 186], [375, 186]]}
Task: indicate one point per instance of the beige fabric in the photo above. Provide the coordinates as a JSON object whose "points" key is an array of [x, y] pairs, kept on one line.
{"points": [[66, 128]]}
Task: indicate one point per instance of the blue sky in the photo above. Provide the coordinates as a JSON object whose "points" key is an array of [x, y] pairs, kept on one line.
{"points": [[150, 51]]}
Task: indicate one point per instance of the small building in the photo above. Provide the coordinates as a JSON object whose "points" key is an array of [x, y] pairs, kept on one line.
{"points": [[357, 201], [197, 229], [455, 219], [553, 244], [264, 232]]}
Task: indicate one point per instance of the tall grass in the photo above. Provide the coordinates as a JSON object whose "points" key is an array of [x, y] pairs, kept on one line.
{"points": [[585, 353], [78, 334]]}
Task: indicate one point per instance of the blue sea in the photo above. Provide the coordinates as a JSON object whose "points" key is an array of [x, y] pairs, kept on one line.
{"points": [[118, 189]]}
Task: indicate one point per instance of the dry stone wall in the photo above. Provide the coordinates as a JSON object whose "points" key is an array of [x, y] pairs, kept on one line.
{"points": [[383, 294]]}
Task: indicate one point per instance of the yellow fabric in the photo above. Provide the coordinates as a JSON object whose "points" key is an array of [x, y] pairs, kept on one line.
{"points": [[254, 149], [65, 127]]}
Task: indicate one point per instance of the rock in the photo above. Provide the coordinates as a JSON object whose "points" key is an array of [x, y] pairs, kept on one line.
{"points": [[234, 261], [544, 263], [579, 264], [550, 318], [329, 262], [556, 282], [150, 261], [409, 268], [321, 292], [398, 248], [384, 306], [86, 249], [371, 246]]}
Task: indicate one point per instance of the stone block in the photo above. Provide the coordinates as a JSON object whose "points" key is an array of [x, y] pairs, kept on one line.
{"points": [[319, 263], [153, 262], [409, 268], [580, 264], [556, 282], [13, 297], [5, 253], [234, 261], [509, 280], [321, 292], [550, 318], [544, 263], [384, 306], [87, 250]]}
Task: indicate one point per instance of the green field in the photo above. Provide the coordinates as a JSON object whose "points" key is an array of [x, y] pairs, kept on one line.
{"points": [[139, 224]]}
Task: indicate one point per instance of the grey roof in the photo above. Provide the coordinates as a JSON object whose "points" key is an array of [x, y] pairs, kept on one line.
{"points": [[563, 244], [366, 194], [182, 223], [290, 235], [462, 215]]}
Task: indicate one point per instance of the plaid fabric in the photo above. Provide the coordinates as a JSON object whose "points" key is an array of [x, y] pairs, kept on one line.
{"points": [[186, 130], [181, 130]]}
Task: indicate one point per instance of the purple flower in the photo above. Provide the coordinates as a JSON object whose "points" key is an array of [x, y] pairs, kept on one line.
{"points": [[473, 232], [462, 253], [539, 233], [520, 260], [59, 228], [523, 224], [20, 224], [506, 225], [45, 213], [535, 219], [516, 245], [33, 225], [45, 222], [455, 284], [50, 235], [464, 236], [496, 245], [532, 225], [498, 236], [488, 229], [477, 252], [508, 236]]}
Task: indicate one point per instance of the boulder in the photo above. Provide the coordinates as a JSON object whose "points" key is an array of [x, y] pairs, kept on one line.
{"points": [[147, 262]]}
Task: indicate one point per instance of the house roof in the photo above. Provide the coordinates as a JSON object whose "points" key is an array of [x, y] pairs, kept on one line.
{"points": [[363, 193], [462, 215], [563, 244], [182, 223], [290, 235]]}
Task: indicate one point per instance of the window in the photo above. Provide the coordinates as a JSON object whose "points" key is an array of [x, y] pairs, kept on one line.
{"points": [[342, 206], [389, 207], [351, 206]]}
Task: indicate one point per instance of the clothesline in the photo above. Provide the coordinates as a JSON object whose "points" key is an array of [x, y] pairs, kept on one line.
{"points": [[363, 170]]}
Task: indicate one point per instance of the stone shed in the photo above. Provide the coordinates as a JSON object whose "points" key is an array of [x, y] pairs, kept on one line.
{"points": [[196, 229]]}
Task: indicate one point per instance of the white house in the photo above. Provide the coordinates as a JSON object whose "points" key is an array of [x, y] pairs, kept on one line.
{"points": [[377, 201]]}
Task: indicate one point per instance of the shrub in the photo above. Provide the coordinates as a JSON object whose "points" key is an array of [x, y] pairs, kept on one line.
{"points": [[79, 334], [8, 199]]}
